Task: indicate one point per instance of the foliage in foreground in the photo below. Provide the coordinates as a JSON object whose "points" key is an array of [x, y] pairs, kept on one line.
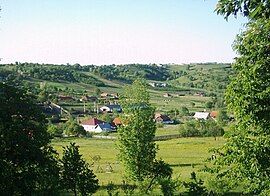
{"points": [[76, 173], [245, 158], [201, 128], [27, 164]]}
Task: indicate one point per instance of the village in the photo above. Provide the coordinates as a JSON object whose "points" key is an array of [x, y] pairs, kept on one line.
{"points": [[102, 114]]}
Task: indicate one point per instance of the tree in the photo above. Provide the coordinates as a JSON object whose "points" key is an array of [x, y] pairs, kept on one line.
{"points": [[222, 117], [246, 155], [76, 173], [184, 111], [136, 136], [27, 163], [71, 127], [253, 9], [54, 130], [209, 104]]}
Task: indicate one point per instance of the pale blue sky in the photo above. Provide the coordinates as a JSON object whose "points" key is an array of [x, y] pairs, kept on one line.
{"points": [[115, 31]]}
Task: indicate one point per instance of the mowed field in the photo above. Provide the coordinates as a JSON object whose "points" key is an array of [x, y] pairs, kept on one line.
{"points": [[184, 155]]}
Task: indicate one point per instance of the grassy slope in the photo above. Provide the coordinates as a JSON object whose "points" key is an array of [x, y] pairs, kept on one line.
{"points": [[184, 155], [200, 72]]}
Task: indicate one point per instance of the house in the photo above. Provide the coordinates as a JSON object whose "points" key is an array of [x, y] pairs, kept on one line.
{"points": [[114, 96], [153, 84], [167, 95], [163, 119], [117, 122], [201, 115], [163, 84], [96, 126], [214, 114], [111, 108], [202, 94], [88, 98], [65, 98], [104, 95]]}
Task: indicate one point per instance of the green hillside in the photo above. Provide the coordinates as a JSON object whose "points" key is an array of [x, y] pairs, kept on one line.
{"points": [[172, 86]]}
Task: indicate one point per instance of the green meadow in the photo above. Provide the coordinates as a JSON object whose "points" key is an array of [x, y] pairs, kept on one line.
{"points": [[183, 154]]}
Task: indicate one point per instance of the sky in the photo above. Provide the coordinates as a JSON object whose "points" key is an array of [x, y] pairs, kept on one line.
{"points": [[115, 32]]}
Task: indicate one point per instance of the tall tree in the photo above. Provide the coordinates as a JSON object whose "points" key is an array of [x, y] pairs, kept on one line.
{"points": [[27, 162], [76, 173], [136, 145], [245, 157]]}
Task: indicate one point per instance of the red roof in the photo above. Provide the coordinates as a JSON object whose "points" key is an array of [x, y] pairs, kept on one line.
{"points": [[117, 121], [214, 114], [92, 121]]}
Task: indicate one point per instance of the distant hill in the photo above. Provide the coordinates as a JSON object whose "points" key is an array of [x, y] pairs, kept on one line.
{"points": [[208, 77], [129, 72]]}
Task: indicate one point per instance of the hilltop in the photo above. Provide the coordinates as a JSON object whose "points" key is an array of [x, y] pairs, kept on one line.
{"points": [[171, 86]]}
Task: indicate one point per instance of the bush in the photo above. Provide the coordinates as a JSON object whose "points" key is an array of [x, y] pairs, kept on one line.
{"points": [[198, 128], [195, 187], [159, 125], [189, 129]]}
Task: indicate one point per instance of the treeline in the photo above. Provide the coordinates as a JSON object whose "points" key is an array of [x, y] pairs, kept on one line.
{"points": [[207, 77], [130, 72], [56, 73]]}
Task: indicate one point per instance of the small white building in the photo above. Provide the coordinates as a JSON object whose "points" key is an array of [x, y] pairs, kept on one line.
{"points": [[96, 126], [111, 108], [201, 115]]}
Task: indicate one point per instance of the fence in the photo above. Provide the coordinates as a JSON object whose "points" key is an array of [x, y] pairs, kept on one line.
{"points": [[157, 138]]}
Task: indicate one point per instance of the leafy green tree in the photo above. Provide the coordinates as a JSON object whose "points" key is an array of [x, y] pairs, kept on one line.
{"points": [[209, 104], [76, 173], [71, 127], [54, 130], [160, 172], [184, 111], [27, 163], [195, 187], [136, 136], [222, 117], [189, 129], [245, 157], [253, 9]]}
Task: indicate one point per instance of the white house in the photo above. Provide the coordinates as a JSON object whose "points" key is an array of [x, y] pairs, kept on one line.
{"points": [[111, 108], [97, 126], [201, 115]]}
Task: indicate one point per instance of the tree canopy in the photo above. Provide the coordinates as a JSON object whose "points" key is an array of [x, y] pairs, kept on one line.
{"points": [[250, 8], [136, 145], [245, 157], [27, 161]]}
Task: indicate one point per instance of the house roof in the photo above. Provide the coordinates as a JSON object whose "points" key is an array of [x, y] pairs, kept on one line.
{"points": [[214, 114], [201, 115], [114, 106], [104, 94], [163, 117], [117, 121], [92, 121]]}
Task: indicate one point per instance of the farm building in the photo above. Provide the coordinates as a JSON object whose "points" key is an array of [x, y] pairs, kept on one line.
{"points": [[214, 114], [96, 126], [89, 98], [111, 108], [201, 115], [163, 119], [167, 95], [117, 121]]}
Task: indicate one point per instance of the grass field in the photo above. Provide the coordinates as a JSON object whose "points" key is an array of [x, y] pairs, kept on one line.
{"points": [[184, 155]]}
